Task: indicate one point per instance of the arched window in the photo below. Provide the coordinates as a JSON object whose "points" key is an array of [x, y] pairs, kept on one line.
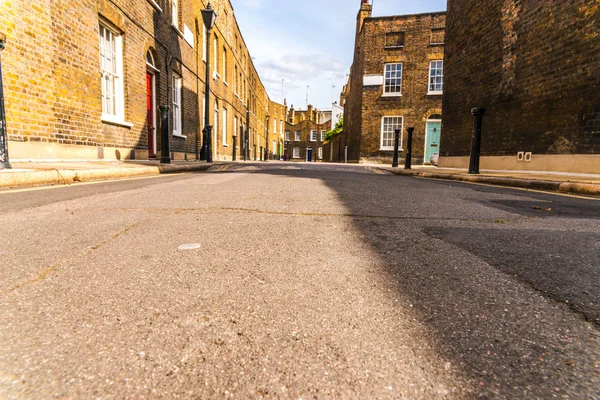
{"points": [[150, 59], [435, 117]]}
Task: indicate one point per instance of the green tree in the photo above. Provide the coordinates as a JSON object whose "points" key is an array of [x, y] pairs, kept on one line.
{"points": [[335, 132]]}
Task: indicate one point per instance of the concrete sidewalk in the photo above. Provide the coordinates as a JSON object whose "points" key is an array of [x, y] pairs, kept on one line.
{"points": [[535, 180], [25, 174]]}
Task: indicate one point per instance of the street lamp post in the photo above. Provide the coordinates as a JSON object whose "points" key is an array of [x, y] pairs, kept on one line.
{"points": [[209, 17], [4, 164]]}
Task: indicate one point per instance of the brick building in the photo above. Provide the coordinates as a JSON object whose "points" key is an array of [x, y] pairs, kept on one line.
{"points": [[535, 66], [396, 81], [305, 133], [84, 80], [277, 116]]}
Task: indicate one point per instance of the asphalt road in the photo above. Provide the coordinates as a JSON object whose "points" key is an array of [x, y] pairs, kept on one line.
{"points": [[304, 281]]}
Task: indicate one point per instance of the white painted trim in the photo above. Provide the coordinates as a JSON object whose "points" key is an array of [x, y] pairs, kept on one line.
{"points": [[393, 94], [180, 136], [385, 148], [429, 92], [110, 119], [155, 5]]}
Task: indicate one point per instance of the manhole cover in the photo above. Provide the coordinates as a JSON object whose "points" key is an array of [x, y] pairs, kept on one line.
{"points": [[191, 246]]}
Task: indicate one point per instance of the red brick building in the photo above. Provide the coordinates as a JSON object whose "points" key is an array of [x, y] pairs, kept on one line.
{"points": [[535, 67], [396, 81]]}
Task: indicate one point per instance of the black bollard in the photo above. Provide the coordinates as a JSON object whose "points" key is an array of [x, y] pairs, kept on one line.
{"points": [[165, 153], [478, 114], [396, 148], [234, 148], [209, 147], [408, 162]]}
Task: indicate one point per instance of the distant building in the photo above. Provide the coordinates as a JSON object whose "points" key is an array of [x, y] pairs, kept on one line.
{"points": [[396, 81], [305, 134], [535, 67]]}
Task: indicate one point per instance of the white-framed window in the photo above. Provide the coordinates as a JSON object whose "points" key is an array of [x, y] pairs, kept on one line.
{"points": [[175, 13], [275, 125], [177, 106], [323, 133], [436, 77], [216, 56], [393, 80], [111, 69], [215, 131], [274, 146], [320, 153], [287, 136], [280, 126], [313, 136], [224, 65], [297, 136], [225, 127], [388, 131], [296, 152], [235, 126]]}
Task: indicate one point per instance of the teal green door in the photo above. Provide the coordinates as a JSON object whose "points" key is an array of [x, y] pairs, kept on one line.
{"points": [[432, 141]]}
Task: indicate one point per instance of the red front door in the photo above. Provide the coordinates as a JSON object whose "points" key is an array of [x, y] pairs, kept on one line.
{"points": [[150, 105]]}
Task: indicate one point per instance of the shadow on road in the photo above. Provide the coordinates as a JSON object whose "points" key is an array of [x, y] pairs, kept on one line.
{"points": [[443, 244]]}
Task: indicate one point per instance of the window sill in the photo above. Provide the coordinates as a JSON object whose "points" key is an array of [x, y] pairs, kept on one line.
{"points": [[225, 83], [216, 76], [177, 29], [392, 150], [179, 136], [225, 145], [435, 93], [113, 121], [391, 95], [155, 5]]}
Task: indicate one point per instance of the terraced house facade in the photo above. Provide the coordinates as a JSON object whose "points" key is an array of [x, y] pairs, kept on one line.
{"points": [[305, 134], [85, 80], [396, 81]]}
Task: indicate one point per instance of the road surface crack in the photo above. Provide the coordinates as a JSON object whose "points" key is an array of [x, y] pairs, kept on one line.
{"points": [[89, 250]]}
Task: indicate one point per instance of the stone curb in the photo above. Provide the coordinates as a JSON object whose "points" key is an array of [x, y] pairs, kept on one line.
{"points": [[552, 186], [67, 177]]}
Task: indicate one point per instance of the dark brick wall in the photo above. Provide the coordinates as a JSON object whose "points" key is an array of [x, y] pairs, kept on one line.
{"points": [[366, 105], [534, 65]]}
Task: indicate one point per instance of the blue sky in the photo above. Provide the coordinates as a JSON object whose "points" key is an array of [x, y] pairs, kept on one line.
{"points": [[309, 42]]}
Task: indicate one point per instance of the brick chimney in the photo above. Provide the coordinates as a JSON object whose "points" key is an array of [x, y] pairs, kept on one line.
{"points": [[366, 9]]}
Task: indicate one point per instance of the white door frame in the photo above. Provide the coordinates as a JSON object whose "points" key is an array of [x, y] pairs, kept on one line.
{"points": [[426, 131]]}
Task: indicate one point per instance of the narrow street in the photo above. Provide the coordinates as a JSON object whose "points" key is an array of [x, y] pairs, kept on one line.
{"points": [[298, 281]]}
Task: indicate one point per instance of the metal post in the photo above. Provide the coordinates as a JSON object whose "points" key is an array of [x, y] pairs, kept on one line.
{"points": [[165, 156], [478, 114], [266, 157], [206, 132], [234, 147], [408, 162], [346, 155], [395, 162], [4, 161]]}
